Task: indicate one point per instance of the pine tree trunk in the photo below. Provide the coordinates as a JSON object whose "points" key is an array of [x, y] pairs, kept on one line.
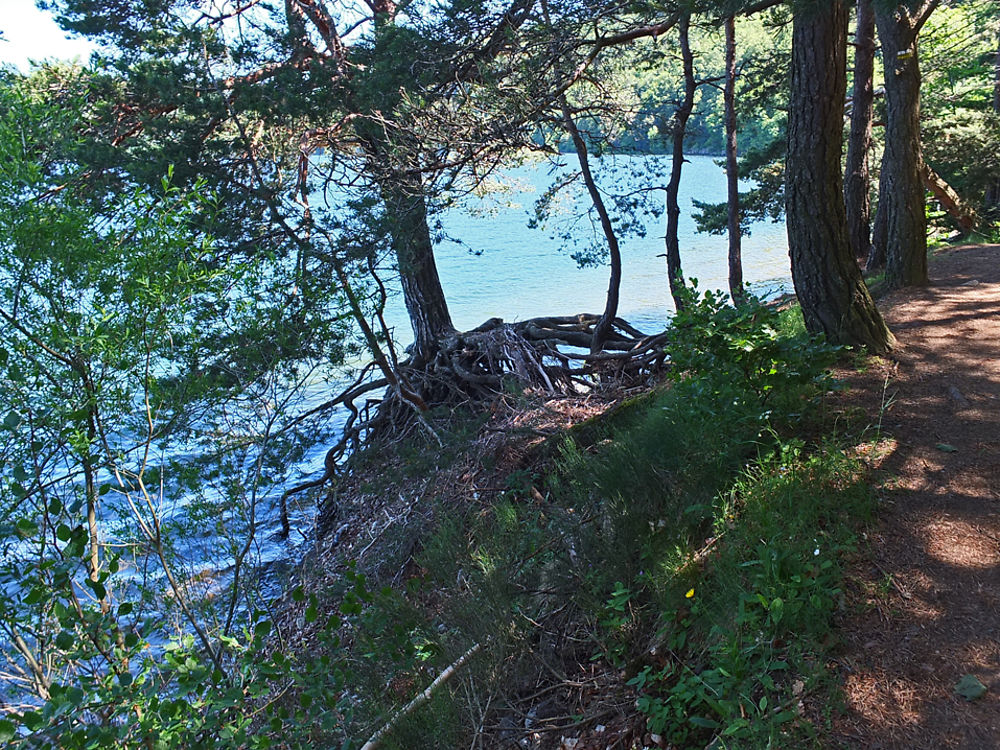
{"points": [[732, 169], [675, 274], [876, 253], [902, 187], [414, 251], [833, 296], [856, 178], [395, 167]]}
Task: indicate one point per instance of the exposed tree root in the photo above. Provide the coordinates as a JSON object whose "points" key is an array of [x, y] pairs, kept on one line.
{"points": [[472, 369]]}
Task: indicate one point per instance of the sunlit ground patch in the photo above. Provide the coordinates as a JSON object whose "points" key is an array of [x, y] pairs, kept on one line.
{"points": [[960, 543]]}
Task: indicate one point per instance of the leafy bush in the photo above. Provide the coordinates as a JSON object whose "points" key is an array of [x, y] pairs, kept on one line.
{"points": [[136, 418], [752, 346], [728, 644], [750, 640], [740, 376]]}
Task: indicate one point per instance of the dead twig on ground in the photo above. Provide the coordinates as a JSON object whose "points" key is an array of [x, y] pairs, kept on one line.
{"points": [[428, 693]]}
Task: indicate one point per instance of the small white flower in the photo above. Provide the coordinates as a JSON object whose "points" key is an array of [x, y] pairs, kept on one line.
{"points": [[816, 552]]}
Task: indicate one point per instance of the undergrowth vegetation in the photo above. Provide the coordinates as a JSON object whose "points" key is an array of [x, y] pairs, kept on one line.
{"points": [[681, 556]]}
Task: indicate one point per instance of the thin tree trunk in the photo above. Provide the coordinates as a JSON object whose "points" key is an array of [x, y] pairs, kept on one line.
{"points": [[93, 498], [834, 298], [902, 187], [93, 557], [414, 250], [880, 230], [603, 328], [675, 274], [856, 178], [732, 169]]}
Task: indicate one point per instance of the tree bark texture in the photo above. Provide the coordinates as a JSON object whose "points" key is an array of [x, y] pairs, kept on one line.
{"points": [[675, 274], [856, 177], [828, 283], [732, 168], [902, 194], [880, 229], [414, 251]]}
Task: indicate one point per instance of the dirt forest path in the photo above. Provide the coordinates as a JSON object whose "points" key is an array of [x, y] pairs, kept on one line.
{"points": [[927, 598]]}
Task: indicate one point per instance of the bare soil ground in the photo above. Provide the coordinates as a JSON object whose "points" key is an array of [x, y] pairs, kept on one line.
{"points": [[925, 603]]}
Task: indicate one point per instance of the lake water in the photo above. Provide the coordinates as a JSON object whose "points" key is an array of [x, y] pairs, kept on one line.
{"points": [[493, 264], [522, 272]]}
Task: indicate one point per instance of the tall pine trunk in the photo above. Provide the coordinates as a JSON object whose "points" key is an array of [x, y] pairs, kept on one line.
{"points": [[856, 178], [675, 274], [732, 169], [833, 296], [396, 168], [902, 195]]}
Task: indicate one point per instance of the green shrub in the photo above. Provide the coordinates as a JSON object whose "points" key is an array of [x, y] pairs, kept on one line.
{"points": [[752, 639]]}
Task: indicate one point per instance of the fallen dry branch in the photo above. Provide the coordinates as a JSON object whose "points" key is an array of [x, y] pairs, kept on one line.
{"points": [[950, 201], [422, 698]]}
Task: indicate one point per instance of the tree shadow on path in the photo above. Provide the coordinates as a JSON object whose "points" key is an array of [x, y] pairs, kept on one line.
{"points": [[926, 601]]}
